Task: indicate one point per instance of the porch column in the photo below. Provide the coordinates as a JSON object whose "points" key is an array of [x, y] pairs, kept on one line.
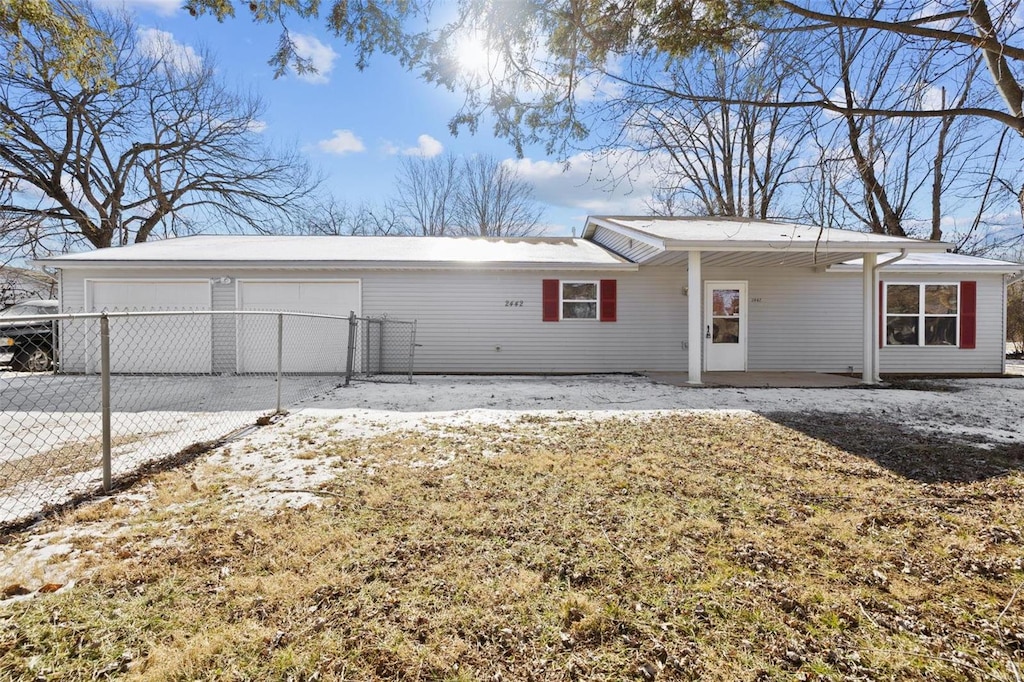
{"points": [[870, 316], [694, 328]]}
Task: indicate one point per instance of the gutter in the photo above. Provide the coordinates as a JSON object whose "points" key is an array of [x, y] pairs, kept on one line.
{"points": [[876, 314], [886, 263], [70, 264]]}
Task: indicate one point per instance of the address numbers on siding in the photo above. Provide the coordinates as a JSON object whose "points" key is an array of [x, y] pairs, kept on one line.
{"points": [[513, 304]]}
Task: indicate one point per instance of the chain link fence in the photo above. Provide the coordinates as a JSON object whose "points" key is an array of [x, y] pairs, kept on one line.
{"points": [[91, 399], [380, 349]]}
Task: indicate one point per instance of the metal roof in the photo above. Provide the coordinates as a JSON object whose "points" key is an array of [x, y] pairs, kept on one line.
{"points": [[935, 262], [357, 252], [740, 234]]}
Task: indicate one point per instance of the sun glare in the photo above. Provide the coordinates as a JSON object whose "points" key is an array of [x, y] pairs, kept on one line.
{"points": [[473, 56]]}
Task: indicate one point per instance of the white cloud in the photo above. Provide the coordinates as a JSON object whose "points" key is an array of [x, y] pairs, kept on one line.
{"points": [[426, 147], [158, 44], [612, 183], [162, 7], [343, 142], [932, 98], [321, 57], [257, 126]]}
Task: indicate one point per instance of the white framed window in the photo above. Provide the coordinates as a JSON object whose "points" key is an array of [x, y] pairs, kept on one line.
{"points": [[922, 314], [579, 300]]}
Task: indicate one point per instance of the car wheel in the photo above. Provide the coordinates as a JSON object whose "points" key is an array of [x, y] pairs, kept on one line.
{"points": [[36, 360]]}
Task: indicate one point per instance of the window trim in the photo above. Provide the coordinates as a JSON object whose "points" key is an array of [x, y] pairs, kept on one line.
{"points": [[596, 300], [921, 315]]}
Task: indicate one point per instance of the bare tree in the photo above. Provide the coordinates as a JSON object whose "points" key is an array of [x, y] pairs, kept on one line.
{"points": [[169, 150], [338, 218], [894, 175], [327, 217], [427, 192], [478, 196], [383, 219], [493, 201], [722, 159]]}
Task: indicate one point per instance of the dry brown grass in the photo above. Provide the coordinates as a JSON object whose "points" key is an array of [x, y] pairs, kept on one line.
{"points": [[683, 547]]}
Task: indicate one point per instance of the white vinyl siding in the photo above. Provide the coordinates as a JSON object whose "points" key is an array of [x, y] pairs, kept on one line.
{"points": [[799, 319], [223, 326], [464, 324]]}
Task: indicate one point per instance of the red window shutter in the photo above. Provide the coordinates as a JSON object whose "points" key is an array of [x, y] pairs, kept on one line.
{"points": [[968, 314], [609, 300], [881, 314], [550, 297]]}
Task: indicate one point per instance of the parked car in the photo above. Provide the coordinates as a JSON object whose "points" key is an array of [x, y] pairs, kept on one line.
{"points": [[28, 346]]}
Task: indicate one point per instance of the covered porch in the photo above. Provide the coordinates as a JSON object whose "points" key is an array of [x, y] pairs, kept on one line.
{"points": [[716, 309]]}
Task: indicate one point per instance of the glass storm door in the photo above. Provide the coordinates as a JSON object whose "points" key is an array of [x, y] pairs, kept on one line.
{"points": [[725, 326]]}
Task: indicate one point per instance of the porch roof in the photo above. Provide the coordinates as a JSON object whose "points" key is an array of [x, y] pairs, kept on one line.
{"points": [[738, 242], [936, 262]]}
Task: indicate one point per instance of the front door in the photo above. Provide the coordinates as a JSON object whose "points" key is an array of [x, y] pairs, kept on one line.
{"points": [[725, 322]]}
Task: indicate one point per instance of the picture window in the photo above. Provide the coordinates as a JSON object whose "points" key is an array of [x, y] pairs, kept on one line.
{"points": [[921, 314]]}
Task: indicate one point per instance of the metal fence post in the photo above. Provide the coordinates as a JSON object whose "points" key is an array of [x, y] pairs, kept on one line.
{"points": [[53, 346], [352, 324], [105, 397], [412, 350], [280, 358]]}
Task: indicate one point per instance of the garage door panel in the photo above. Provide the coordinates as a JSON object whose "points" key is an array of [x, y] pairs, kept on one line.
{"points": [[155, 344], [310, 344]]}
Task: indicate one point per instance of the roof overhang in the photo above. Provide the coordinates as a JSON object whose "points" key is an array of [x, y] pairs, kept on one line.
{"points": [[994, 267], [774, 251], [930, 269], [754, 258], [594, 223], [331, 265]]}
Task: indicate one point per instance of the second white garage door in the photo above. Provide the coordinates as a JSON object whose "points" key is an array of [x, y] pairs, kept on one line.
{"points": [[311, 345]]}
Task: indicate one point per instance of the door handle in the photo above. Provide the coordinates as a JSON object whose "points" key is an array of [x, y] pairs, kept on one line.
{"points": [[707, 334]]}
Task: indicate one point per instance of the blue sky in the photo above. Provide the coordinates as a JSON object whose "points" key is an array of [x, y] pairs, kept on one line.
{"points": [[357, 125]]}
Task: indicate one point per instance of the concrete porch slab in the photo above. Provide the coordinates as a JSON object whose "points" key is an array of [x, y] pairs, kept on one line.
{"points": [[760, 379]]}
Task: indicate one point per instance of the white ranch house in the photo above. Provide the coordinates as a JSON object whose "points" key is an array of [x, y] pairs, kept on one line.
{"points": [[631, 294]]}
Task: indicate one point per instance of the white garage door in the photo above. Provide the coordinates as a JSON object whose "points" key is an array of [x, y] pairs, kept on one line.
{"points": [[172, 344], [311, 345]]}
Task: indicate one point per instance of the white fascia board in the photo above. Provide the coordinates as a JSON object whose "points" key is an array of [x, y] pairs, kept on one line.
{"points": [[335, 265], [823, 247], [636, 235], [931, 269]]}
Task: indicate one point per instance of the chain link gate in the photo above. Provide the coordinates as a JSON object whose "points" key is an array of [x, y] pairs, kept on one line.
{"points": [[380, 349]]}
